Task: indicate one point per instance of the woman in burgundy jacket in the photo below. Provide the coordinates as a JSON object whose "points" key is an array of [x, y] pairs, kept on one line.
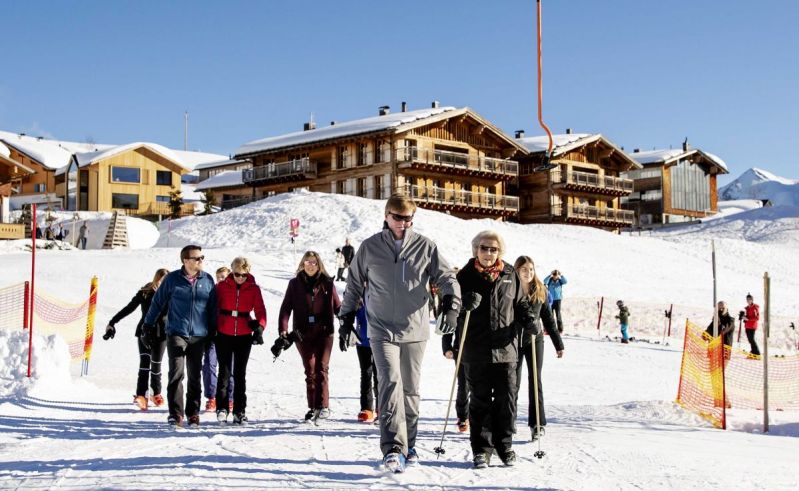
{"points": [[312, 297], [237, 295]]}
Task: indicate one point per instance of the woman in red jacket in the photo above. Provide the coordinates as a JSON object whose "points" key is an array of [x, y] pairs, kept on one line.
{"points": [[312, 297], [751, 316], [238, 295]]}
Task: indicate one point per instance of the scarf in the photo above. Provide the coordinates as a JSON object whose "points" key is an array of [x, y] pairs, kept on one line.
{"points": [[490, 273]]}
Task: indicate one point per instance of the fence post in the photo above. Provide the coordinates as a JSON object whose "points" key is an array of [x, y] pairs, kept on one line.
{"points": [[766, 327], [89, 338], [599, 319], [34, 226]]}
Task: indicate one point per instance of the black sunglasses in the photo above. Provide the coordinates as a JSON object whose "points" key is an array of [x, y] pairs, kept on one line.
{"points": [[196, 259], [492, 250], [401, 218], [240, 275]]}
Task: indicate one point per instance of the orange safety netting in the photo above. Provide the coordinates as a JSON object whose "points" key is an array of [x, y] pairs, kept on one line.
{"points": [[12, 306], [705, 382]]}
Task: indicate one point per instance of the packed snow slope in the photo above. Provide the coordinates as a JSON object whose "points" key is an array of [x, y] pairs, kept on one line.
{"points": [[612, 423], [761, 184]]}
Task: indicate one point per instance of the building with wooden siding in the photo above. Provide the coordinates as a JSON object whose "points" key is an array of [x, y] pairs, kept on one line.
{"points": [[446, 158], [585, 186], [674, 185], [210, 169]]}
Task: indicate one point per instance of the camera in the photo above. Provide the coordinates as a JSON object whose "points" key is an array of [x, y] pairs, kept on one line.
{"points": [[741, 315], [284, 343]]}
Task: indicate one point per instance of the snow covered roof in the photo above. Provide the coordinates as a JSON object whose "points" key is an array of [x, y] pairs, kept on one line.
{"points": [[88, 158], [4, 151], [191, 160], [50, 153], [222, 180], [219, 163], [564, 143], [666, 156]]}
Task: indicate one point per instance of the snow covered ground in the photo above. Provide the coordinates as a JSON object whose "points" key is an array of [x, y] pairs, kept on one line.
{"points": [[612, 422]]}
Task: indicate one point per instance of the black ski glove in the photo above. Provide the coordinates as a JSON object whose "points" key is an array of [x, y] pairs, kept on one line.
{"points": [[258, 335], [450, 306], [280, 344], [528, 319], [110, 332], [346, 329], [148, 336]]}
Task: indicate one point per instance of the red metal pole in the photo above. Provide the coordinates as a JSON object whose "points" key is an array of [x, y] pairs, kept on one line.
{"points": [[34, 226], [599, 320], [671, 306]]}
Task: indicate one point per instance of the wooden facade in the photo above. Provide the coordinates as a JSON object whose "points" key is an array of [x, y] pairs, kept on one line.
{"points": [[584, 187], [26, 175], [451, 160], [206, 171], [674, 186]]}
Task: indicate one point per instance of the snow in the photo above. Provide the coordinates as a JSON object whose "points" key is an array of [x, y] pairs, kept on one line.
{"points": [[535, 144], [667, 155], [355, 127], [760, 184], [89, 158], [612, 422], [221, 180], [219, 163], [4, 151], [50, 153]]}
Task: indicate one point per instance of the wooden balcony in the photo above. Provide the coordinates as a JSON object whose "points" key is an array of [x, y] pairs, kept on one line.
{"points": [[591, 183], [293, 170], [593, 215], [158, 208], [462, 201], [457, 163]]}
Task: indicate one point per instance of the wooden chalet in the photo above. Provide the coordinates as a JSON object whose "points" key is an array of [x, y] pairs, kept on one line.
{"points": [[210, 169], [674, 185], [446, 158], [585, 186]]}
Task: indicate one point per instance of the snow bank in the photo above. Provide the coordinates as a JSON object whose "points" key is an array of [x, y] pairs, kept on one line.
{"points": [[49, 364]]}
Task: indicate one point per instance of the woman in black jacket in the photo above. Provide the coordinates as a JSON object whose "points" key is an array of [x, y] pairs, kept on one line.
{"points": [[726, 325], [149, 356], [490, 350], [537, 295]]}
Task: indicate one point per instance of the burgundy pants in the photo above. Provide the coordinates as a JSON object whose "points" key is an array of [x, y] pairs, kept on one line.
{"points": [[315, 353]]}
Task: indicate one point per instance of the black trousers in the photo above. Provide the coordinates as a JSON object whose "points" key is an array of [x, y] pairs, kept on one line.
{"points": [[526, 356], [462, 397], [557, 315], [185, 360], [368, 378], [340, 274], [492, 405], [750, 335], [150, 367], [232, 353]]}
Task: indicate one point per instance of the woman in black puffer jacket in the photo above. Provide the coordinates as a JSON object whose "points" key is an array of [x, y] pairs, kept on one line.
{"points": [[537, 295]]}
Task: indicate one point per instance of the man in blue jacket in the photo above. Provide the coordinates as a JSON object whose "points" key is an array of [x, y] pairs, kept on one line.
{"points": [[554, 282], [190, 298]]}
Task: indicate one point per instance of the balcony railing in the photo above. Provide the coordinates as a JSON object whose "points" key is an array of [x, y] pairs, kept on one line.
{"points": [[592, 180], [458, 160], [298, 167], [158, 208], [586, 212], [453, 197]]}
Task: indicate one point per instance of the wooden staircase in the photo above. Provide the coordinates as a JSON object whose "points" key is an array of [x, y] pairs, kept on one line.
{"points": [[117, 234]]}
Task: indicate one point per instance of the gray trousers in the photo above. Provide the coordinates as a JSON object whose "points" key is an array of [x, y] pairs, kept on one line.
{"points": [[399, 366]]}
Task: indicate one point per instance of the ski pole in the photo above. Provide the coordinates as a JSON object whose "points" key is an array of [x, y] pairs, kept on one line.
{"points": [[470, 302], [539, 453]]}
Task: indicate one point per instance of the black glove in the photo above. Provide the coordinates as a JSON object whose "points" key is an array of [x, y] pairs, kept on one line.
{"points": [[110, 332], [528, 319], [450, 308], [346, 329], [471, 300], [148, 335], [281, 343], [258, 335]]}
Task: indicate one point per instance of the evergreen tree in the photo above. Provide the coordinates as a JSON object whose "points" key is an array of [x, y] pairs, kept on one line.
{"points": [[208, 202], [175, 202]]}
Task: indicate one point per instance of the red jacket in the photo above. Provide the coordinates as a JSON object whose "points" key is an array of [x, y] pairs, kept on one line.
{"points": [[235, 304], [752, 316], [320, 302]]}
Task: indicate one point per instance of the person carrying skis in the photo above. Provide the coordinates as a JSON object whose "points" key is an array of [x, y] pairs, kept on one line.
{"points": [[397, 264], [490, 348], [150, 354], [189, 294], [312, 299], [533, 338], [554, 282], [751, 317], [624, 321], [237, 297]]}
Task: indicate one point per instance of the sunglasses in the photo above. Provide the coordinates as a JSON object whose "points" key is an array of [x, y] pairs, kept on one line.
{"points": [[492, 250], [196, 259], [401, 218], [239, 275]]}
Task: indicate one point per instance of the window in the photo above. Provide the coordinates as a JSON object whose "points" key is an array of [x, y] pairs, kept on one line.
{"points": [[128, 201], [341, 157], [125, 174], [163, 178], [162, 199], [40, 188], [362, 154]]}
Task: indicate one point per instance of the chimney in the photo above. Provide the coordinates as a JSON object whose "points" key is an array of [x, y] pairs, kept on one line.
{"points": [[332, 123], [404, 106], [309, 126], [519, 134], [568, 131], [383, 110], [685, 145], [434, 105], [636, 150]]}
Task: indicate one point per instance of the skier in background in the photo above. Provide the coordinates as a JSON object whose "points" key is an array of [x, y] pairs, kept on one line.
{"points": [[624, 321], [348, 251], [726, 324], [340, 264], [751, 317], [554, 282], [82, 235]]}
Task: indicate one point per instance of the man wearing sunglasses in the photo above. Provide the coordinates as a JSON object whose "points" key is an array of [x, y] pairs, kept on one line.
{"points": [[189, 297], [398, 264]]}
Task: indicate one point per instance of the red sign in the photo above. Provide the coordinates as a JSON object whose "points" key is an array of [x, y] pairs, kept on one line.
{"points": [[295, 227]]}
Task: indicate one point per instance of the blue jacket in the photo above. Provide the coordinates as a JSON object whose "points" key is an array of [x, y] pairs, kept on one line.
{"points": [[554, 286], [192, 308]]}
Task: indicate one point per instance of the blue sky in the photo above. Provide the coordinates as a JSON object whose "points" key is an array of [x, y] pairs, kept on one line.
{"points": [[646, 74]]}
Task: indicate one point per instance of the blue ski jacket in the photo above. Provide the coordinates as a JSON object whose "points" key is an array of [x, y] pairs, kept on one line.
{"points": [[191, 307], [554, 286]]}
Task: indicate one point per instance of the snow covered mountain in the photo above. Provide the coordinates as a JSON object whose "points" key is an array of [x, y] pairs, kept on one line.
{"points": [[760, 184]]}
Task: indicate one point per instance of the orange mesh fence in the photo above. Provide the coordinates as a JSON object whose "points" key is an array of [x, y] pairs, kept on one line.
{"points": [[12, 306], [705, 382]]}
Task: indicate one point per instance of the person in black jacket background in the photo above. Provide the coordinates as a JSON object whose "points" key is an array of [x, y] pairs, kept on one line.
{"points": [[537, 295], [149, 355], [490, 350]]}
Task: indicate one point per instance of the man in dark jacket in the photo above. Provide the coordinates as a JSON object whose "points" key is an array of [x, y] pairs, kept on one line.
{"points": [[190, 297], [349, 253]]}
